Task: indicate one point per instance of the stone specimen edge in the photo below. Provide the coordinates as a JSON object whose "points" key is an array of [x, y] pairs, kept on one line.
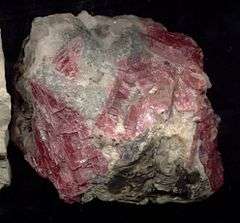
{"points": [[5, 114]]}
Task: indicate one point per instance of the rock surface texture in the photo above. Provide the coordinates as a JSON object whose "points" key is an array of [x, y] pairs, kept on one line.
{"points": [[5, 108], [116, 108]]}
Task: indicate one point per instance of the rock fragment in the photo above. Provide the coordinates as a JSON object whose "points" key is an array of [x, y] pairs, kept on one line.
{"points": [[5, 108], [116, 108]]}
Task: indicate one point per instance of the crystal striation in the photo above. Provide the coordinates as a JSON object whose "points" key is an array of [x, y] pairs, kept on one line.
{"points": [[116, 108]]}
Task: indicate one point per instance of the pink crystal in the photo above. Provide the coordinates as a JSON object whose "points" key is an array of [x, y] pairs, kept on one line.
{"points": [[116, 108]]}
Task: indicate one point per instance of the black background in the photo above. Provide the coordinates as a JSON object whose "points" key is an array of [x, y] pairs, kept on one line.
{"points": [[216, 28]]}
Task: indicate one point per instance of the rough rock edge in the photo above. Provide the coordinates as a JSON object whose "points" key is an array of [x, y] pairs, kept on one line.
{"points": [[5, 113]]}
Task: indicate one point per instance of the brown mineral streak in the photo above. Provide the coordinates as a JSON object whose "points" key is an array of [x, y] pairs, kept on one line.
{"points": [[116, 108]]}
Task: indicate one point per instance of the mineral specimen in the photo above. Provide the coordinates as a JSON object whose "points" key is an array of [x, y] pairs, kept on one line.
{"points": [[116, 108], [5, 108]]}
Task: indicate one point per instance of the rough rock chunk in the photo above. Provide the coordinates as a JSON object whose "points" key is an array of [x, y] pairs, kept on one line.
{"points": [[116, 108], [5, 108]]}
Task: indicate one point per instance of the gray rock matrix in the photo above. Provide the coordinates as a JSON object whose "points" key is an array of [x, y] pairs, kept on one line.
{"points": [[5, 113]]}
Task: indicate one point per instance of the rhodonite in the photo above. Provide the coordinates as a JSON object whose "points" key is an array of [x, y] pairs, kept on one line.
{"points": [[116, 108]]}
